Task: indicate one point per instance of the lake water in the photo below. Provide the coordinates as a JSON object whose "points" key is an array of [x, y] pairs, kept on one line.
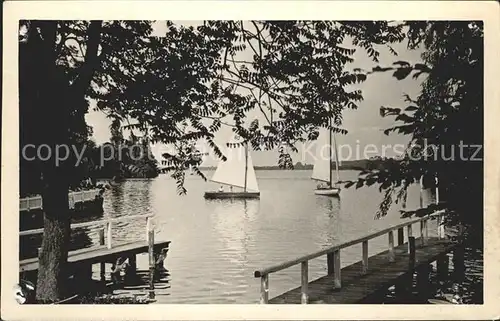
{"points": [[218, 244]]}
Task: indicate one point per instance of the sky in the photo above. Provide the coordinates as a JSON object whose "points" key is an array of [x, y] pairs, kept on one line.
{"points": [[365, 126]]}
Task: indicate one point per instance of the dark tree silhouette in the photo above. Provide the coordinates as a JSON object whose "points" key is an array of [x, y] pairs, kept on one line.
{"points": [[445, 122]]}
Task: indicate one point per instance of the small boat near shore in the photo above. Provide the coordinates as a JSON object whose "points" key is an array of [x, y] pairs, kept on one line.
{"points": [[223, 195], [237, 172], [327, 191]]}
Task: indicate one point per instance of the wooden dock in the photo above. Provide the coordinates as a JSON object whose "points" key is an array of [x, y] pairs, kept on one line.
{"points": [[364, 280], [36, 203], [81, 261]]}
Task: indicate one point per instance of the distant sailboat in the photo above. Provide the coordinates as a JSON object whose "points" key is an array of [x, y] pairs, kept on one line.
{"points": [[322, 170], [237, 171]]}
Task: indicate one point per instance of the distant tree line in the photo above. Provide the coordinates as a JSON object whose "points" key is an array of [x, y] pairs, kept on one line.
{"points": [[360, 164], [129, 165], [117, 159], [123, 158]]}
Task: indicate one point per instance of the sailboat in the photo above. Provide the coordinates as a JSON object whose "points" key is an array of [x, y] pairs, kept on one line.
{"points": [[237, 171], [322, 170]]}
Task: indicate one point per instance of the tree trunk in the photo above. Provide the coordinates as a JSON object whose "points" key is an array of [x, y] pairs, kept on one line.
{"points": [[55, 99], [52, 112], [52, 272]]}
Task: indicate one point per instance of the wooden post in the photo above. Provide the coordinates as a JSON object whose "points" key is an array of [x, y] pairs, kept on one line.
{"points": [[151, 243], [401, 236], [101, 236], [426, 231], [442, 266], [365, 257], [411, 248], [410, 234], [441, 231], [436, 181], [422, 233], [438, 226], [109, 226], [330, 263], [403, 288], [71, 200], [421, 197], [304, 271], [264, 289], [148, 226], [102, 264], [392, 256], [337, 268]]}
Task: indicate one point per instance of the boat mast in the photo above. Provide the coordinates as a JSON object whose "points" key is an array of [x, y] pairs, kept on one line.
{"points": [[336, 159], [246, 166], [330, 143]]}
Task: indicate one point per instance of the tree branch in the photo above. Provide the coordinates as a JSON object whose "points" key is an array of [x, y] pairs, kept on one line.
{"points": [[219, 119], [82, 82]]}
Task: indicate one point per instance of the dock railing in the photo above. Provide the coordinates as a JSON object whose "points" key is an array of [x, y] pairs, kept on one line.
{"points": [[35, 202], [333, 254], [106, 228]]}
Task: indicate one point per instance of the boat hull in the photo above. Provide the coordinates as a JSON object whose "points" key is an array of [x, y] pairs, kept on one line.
{"points": [[231, 195], [327, 191]]}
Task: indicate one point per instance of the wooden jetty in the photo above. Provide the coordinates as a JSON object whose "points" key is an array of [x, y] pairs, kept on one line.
{"points": [[361, 282], [81, 261], [35, 202]]}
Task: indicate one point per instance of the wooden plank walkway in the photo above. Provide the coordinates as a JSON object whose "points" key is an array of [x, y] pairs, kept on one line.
{"points": [[98, 254], [81, 260], [366, 278], [381, 274]]}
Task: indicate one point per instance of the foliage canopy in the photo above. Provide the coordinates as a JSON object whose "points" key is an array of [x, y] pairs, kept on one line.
{"points": [[445, 123]]}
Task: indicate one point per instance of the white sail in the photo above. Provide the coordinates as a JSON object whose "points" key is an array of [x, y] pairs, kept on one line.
{"points": [[252, 185], [335, 150], [232, 171], [322, 165]]}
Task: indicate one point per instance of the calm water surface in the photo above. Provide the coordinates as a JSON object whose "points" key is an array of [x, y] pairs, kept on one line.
{"points": [[218, 244]]}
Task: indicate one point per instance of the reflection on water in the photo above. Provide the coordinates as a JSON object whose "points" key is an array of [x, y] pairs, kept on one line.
{"points": [[218, 244], [329, 225], [231, 220], [131, 197]]}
